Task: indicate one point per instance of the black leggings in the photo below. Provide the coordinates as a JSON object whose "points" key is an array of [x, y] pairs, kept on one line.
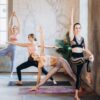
{"points": [[27, 64], [78, 75], [79, 60]]}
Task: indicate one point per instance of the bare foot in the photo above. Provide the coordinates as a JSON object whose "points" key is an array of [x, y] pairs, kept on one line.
{"points": [[19, 83], [77, 98]]}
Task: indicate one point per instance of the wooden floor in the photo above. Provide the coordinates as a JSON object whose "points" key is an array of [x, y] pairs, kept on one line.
{"points": [[12, 93]]}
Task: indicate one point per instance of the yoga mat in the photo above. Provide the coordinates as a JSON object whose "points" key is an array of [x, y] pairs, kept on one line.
{"points": [[33, 83], [48, 90]]}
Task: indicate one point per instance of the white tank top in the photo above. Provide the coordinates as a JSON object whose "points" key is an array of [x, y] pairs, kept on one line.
{"points": [[33, 49]]}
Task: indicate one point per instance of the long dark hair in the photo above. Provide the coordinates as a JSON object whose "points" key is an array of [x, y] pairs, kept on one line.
{"points": [[33, 36]]}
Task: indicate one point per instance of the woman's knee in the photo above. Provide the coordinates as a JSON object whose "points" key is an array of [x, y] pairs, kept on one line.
{"points": [[18, 68]]}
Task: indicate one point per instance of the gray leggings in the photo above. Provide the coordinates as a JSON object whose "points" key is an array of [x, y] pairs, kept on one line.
{"points": [[61, 63]]}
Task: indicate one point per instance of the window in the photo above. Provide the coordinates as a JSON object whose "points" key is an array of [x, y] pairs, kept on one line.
{"points": [[3, 22]]}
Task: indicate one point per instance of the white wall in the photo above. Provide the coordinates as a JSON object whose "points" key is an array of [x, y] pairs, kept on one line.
{"points": [[53, 15], [84, 19]]}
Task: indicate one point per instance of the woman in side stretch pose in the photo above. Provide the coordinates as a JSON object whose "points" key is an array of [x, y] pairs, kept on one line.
{"points": [[56, 62]]}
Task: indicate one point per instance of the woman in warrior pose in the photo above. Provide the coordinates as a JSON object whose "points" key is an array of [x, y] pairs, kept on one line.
{"points": [[32, 49], [78, 47]]}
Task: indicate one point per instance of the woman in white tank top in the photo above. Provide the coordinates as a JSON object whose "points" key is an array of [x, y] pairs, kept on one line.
{"points": [[32, 49]]}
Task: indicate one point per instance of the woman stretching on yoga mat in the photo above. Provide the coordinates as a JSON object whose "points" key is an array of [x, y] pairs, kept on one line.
{"points": [[56, 62], [32, 49], [78, 47]]}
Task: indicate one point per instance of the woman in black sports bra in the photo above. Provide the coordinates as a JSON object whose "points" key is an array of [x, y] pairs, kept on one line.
{"points": [[78, 47]]}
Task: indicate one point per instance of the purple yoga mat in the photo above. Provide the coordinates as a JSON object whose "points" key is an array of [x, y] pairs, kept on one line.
{"points": [[48, 90]]}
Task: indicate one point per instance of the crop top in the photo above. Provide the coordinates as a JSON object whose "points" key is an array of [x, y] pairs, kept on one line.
{"points": [[74, 43]]}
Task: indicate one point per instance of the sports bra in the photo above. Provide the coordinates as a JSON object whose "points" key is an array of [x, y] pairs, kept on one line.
{"points": [[74, 43]]}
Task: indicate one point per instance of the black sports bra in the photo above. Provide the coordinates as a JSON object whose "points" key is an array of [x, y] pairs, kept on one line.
{"points": [[74, 43]]}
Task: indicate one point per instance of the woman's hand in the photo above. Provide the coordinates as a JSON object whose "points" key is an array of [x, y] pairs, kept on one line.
{"points": [[39, 29], [90, 55], [34, 88], [91, 58], [56, 47]]}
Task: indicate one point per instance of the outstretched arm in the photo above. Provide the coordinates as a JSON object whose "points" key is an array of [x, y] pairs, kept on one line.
{"points": [[41, 39], [11, 19], [47, 46], [71, 35], [11, 22], [39, 74], [20, 44], [38, 78], [42, 46], [18, 24], [40, 65]]}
